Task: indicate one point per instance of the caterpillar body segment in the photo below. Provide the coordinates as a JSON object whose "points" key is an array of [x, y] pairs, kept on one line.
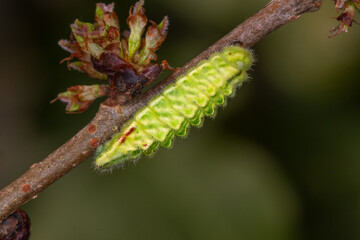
{"points": [[185, 102]]}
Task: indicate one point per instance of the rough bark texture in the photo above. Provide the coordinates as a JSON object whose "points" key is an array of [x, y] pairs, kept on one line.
{"points": [[110, 119]]}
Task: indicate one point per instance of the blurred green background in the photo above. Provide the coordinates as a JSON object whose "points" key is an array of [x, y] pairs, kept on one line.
{"points": [[280, 161]]}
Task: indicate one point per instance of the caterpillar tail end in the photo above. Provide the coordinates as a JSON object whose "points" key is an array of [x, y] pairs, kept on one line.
{"points": [[107, 159], [123, 146]]}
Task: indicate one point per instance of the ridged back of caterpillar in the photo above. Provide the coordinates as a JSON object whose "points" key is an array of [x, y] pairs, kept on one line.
{"points": [[185, 102]]}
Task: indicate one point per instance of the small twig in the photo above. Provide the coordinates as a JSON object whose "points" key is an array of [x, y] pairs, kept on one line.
{"points": [[110, 119]]}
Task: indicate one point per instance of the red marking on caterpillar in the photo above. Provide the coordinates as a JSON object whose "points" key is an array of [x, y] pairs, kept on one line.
{"points": [[130, 131], [123, 138]]}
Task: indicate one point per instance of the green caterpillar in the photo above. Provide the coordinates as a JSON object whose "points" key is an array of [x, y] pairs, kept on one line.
{"points": [[181, 104]]}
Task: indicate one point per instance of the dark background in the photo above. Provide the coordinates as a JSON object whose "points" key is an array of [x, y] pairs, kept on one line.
{"points": [[280, 161]]}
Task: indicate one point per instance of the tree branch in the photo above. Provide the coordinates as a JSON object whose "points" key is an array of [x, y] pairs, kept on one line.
{"points": [[110, 119]]}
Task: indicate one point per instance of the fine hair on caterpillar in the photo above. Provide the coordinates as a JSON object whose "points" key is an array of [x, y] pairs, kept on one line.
{"points": [[192, 96], [121, 166]]}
